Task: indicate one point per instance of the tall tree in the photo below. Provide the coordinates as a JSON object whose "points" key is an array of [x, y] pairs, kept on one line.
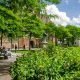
{"points": [[24, 7], [33, 26], [50, 30], [6, 16], [62, 33], [14, 30], [75, 32]]}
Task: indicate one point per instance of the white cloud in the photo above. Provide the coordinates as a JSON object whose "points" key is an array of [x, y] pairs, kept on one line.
{"points": [[62, 19], [76, 21]]}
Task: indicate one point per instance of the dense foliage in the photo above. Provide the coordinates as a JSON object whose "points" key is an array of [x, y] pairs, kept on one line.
{"points": [[28, 11], [54, 63], [75, 32], [68, 34], [9, 23]]}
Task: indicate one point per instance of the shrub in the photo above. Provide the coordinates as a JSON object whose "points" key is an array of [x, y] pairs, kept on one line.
{"points": [[61, 64]]}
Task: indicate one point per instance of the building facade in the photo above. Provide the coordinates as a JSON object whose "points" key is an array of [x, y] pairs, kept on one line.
{"points": [[21, 43]]}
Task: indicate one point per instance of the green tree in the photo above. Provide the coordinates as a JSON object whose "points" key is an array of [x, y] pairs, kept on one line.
{"points": [[24, 7], [14, 30], [33, 26], [59, 32], [6, 16], [75, 32], [62, 34], [50, 30]]}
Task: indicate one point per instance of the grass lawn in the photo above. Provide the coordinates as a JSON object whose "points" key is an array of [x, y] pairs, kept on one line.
{"points": [[23, 51], [20, 51]]}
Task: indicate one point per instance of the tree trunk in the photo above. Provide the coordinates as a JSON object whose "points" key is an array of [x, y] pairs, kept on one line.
{"points": [[73, 41], [56, 41], [18, 43], [68, 41], [1, 39], [11, 43], [36, 44], [30, 34], [52, 39], [62, 41]]}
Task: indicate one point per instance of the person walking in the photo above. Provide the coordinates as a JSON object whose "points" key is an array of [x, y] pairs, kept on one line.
{"points": [[15, 48]]}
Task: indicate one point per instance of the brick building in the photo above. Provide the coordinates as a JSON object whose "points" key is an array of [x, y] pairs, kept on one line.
{"points": [[21, 43]]}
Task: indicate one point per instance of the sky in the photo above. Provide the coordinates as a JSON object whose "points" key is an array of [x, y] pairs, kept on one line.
{"points": [[71, 7], [68, 12]]}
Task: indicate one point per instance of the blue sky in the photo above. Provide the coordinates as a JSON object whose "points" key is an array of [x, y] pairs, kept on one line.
{"points": [[71, 7], [68, 12]]}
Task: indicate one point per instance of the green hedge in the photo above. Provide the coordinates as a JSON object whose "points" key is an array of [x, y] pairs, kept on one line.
{"points": [[57, 64]]}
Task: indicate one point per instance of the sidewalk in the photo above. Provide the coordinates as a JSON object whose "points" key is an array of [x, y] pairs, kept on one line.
{"points": [[4, 67]]}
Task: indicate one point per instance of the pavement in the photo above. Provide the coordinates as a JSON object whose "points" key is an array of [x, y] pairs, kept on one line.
{"points": [[5, 66]]}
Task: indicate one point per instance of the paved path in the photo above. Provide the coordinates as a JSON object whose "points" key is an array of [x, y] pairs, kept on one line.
{"points": [[4, 67]]}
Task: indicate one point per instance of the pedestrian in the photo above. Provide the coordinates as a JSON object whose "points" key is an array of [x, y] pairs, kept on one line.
{"points": [[15, 48], [24, 46]]}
